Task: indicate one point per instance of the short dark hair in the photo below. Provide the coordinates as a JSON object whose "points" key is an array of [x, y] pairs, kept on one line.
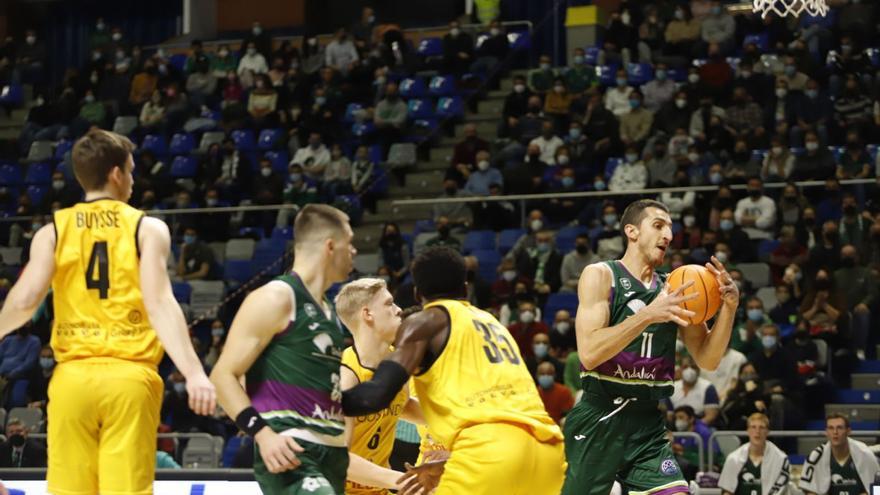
{"points": [[96, 154], [837, 415], [635, 213], [318, 219], [583, 236], [687, 410], [439, 272]]}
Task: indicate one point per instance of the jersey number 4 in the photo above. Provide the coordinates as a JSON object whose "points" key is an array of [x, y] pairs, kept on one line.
{"points": [[98, 271], [498, 347]]}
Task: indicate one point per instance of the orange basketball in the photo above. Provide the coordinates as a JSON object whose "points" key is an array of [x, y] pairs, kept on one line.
{"points": [[708, 298]]}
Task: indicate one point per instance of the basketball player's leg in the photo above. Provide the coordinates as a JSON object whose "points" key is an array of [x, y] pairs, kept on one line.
{"points": [[72, 431], [594, 448], [653, 469], [321, 472], [129, 411]]}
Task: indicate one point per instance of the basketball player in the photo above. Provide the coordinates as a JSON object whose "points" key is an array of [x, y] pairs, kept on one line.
{"points": [[287, 342], [368, 310], [626, 330], [473, 387], [113, 303]]}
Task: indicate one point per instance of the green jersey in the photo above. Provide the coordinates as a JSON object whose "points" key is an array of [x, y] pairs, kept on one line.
{"points": [[749, 480], [845, 479], [644, 369], [295, 381]]}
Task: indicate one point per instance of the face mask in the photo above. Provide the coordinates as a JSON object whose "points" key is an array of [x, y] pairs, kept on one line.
{"points": [[716, 10], [689, 375], [681, 425], [768, 341], [519, 88], [755, 314], [782, 297], [582, 248], [508, 275], [189, 239], [693, 78], [117, 36], [455, 31], [681, 103], [848, 262], [100, 26], [722, 256], [660, 74], [811, 93], [16, 440], [540, 350], [31, 40], [527, 316], [223, 53], [58, 185], [679, 14], [812, 146], [790, 70], [544, 66], [450, 191], [320, 100], [781, 92], [295, 177], [545, 381], [610, 219], [559, 89], [635, 103], [621, 82], [562, 159], [578, 59], [574, 133], [563, 327], [251, 51], [218, 332], [90, 98], [543, 247], [746, 74], [689, 220], [567, 181], [257, 30], [483, 165], [726, 224], [599, 185], [180, 387], [47, 363], [536, 225], [631, 158], [265, 172]]}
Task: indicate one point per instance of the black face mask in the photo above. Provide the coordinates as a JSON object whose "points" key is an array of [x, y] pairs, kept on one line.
{"points": [[847, 262], [850, 210], [443, 231], [755, 193], [822, 284], [16, 440], [809, 222], [831, 236], [710, 247], [659, 153], [450, 191], [471, 275], [582, 248], [801, 335], [741, 156]]}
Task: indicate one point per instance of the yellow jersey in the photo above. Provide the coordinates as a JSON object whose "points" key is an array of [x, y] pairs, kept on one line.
{"points": [[480, 377], [373, 435], [99, 308]]}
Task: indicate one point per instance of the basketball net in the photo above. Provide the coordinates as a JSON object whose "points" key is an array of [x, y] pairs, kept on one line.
{"points": [[783, 8]]}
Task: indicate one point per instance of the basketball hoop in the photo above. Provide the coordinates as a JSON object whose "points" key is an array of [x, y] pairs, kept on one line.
{"points": [[783, 8]]}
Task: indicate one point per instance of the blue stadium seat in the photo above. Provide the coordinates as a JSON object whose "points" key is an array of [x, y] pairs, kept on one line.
{"points": [[761, 40], [375, 154], [12, 95], [233, 445], [178, 61], [611, 165], [267, 252], [639, 74], [488, 260], [872, 150], [561, 300], [412, 87], [519, 40], [380, 182], [38, 173], [36, 193], [758, 155], [442, 86], [430, 47], [423, 226], [677, 74], [478, 240], [62, 148], [255, 233], [65, 169], [10, 174], [269, 139], [350, 111], [279, 161], [857, 397], [184, 167], [591, 55], [867, 367], [507, 239], [361, 130], [182, 143], [237, 272], [282, 234], [155, 143], [418, 109], [765, 247], [244, 139], [607, 75], [182, 291], [566, 235], [450, 107]]}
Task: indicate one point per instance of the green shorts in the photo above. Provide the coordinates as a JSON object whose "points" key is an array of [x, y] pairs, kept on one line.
{"points": [[322, 472], [629, 446]]}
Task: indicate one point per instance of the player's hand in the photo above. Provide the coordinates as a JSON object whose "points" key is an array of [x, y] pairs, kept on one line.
{"points": [[202, 396], [278, 451], [421, 479], [729, 292], [667, 306]]}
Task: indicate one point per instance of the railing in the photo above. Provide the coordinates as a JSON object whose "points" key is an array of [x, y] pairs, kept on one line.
{"points": [[782, 434], [701, 449], [189, 211]]}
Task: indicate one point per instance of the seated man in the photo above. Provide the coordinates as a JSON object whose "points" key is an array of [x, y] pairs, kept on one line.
{"points": [[196, 258], [17, 451], [840, 465], [756, 467]]}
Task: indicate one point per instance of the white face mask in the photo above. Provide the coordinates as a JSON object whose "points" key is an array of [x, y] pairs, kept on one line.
{"points": [[781, 92], [681, 103], [117, 36], [722, 256], [563, 327], [681, 425], [508, 275], [693, 78], [519, 88], [483, 165], [536, 225], [689, 220], [562, 159], [266, 172], [527, 316], [689, 375]]}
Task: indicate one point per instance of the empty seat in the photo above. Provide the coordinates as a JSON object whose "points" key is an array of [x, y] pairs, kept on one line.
{"points": [[182, 143], [37, 193], [38, 173], [244, 139], [442, 86], [353, 113], [40, 151], [562, 300], [488, 260], [855, 412], [566, 236], [402, 155], [200, 452], [184, 167], [62, 149], [182, 291], [10, 174], [450, 107], [857, 396], [419, 109], [237, 272], [31, 418], [240, 249], [269, 139], [125, 125], [279, 160], [367, 263], [233, 445], [639, 74], [282, 233], [767, 295], [155, 143], [10, 256], [758, 274], [210, 138], [430, 47], [412, 87], [219, 250], [866, 381], [477, 240], [507, 239]]}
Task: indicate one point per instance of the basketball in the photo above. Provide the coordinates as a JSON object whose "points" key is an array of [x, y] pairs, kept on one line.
{"points": [[705, 286]]}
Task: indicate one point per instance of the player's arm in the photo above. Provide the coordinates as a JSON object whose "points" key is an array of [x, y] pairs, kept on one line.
{"points": [[361, 470], [596, 341], [708, 346], [419, 334], [412, 412], [166, 316], [264, 313], [31, 288]]}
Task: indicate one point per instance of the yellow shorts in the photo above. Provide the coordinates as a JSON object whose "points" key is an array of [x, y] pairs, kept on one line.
{"points": [[352, 488], [103, 416], [495, 458]]}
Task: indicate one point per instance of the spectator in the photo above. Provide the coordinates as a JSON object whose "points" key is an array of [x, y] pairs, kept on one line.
{"points": [[144, 84], [574, 262], [579, 76], [701, 119], [744, 116], [660, 90], [779, 163], [682, 33], [631, 175], [660, 164], [617, 98], [92, 112], [601, 125], [18, 451], [528, 325], [650, 36], [251, 64], [794, 79], [724, 377], [826, 252], [218, 338], [504, 286], [362, 30], [852, 111], [744, 398], [19, 359], [741, 165], [556, 397], [690, 235], [235, 172], [39, 386], [233, 92], [686, 420], [458, 50], [260, 39], [337, 174], [777, 367], [621, 38], [479, 292], [746, 337], [62, 191], [313, 158], [492, 52], [757, 213], [610, 242], [855, 162], [394, 251], [719, 27], [547, 143], [853, 226], [444, 236], [262, 102], [175, 405], [758, 466], [516, 102], [165, 461], [636, 124], [298, 191], [558, 102], [787, 309], [196, 258], [485, 175], [675, 114], [716, 74], [846, 463], [223, 62], [562, 336], [362, 177], [696, 392], [817, 163], [858, 286], [267, 189], [812, 114], [541, 79], [341, 54], [458, 213], [788, 252], [543, 354], [197, 58], [541, 264]]}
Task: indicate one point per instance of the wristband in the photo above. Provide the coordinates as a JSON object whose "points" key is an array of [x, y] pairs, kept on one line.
{"points": [[250, 421]]}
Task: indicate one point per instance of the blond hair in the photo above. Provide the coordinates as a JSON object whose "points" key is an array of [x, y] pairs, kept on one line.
{"points": [[354, 296], [759, 417]]}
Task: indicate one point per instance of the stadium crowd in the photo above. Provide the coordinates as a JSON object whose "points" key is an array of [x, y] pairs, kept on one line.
{"points": [[678, 94]]}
